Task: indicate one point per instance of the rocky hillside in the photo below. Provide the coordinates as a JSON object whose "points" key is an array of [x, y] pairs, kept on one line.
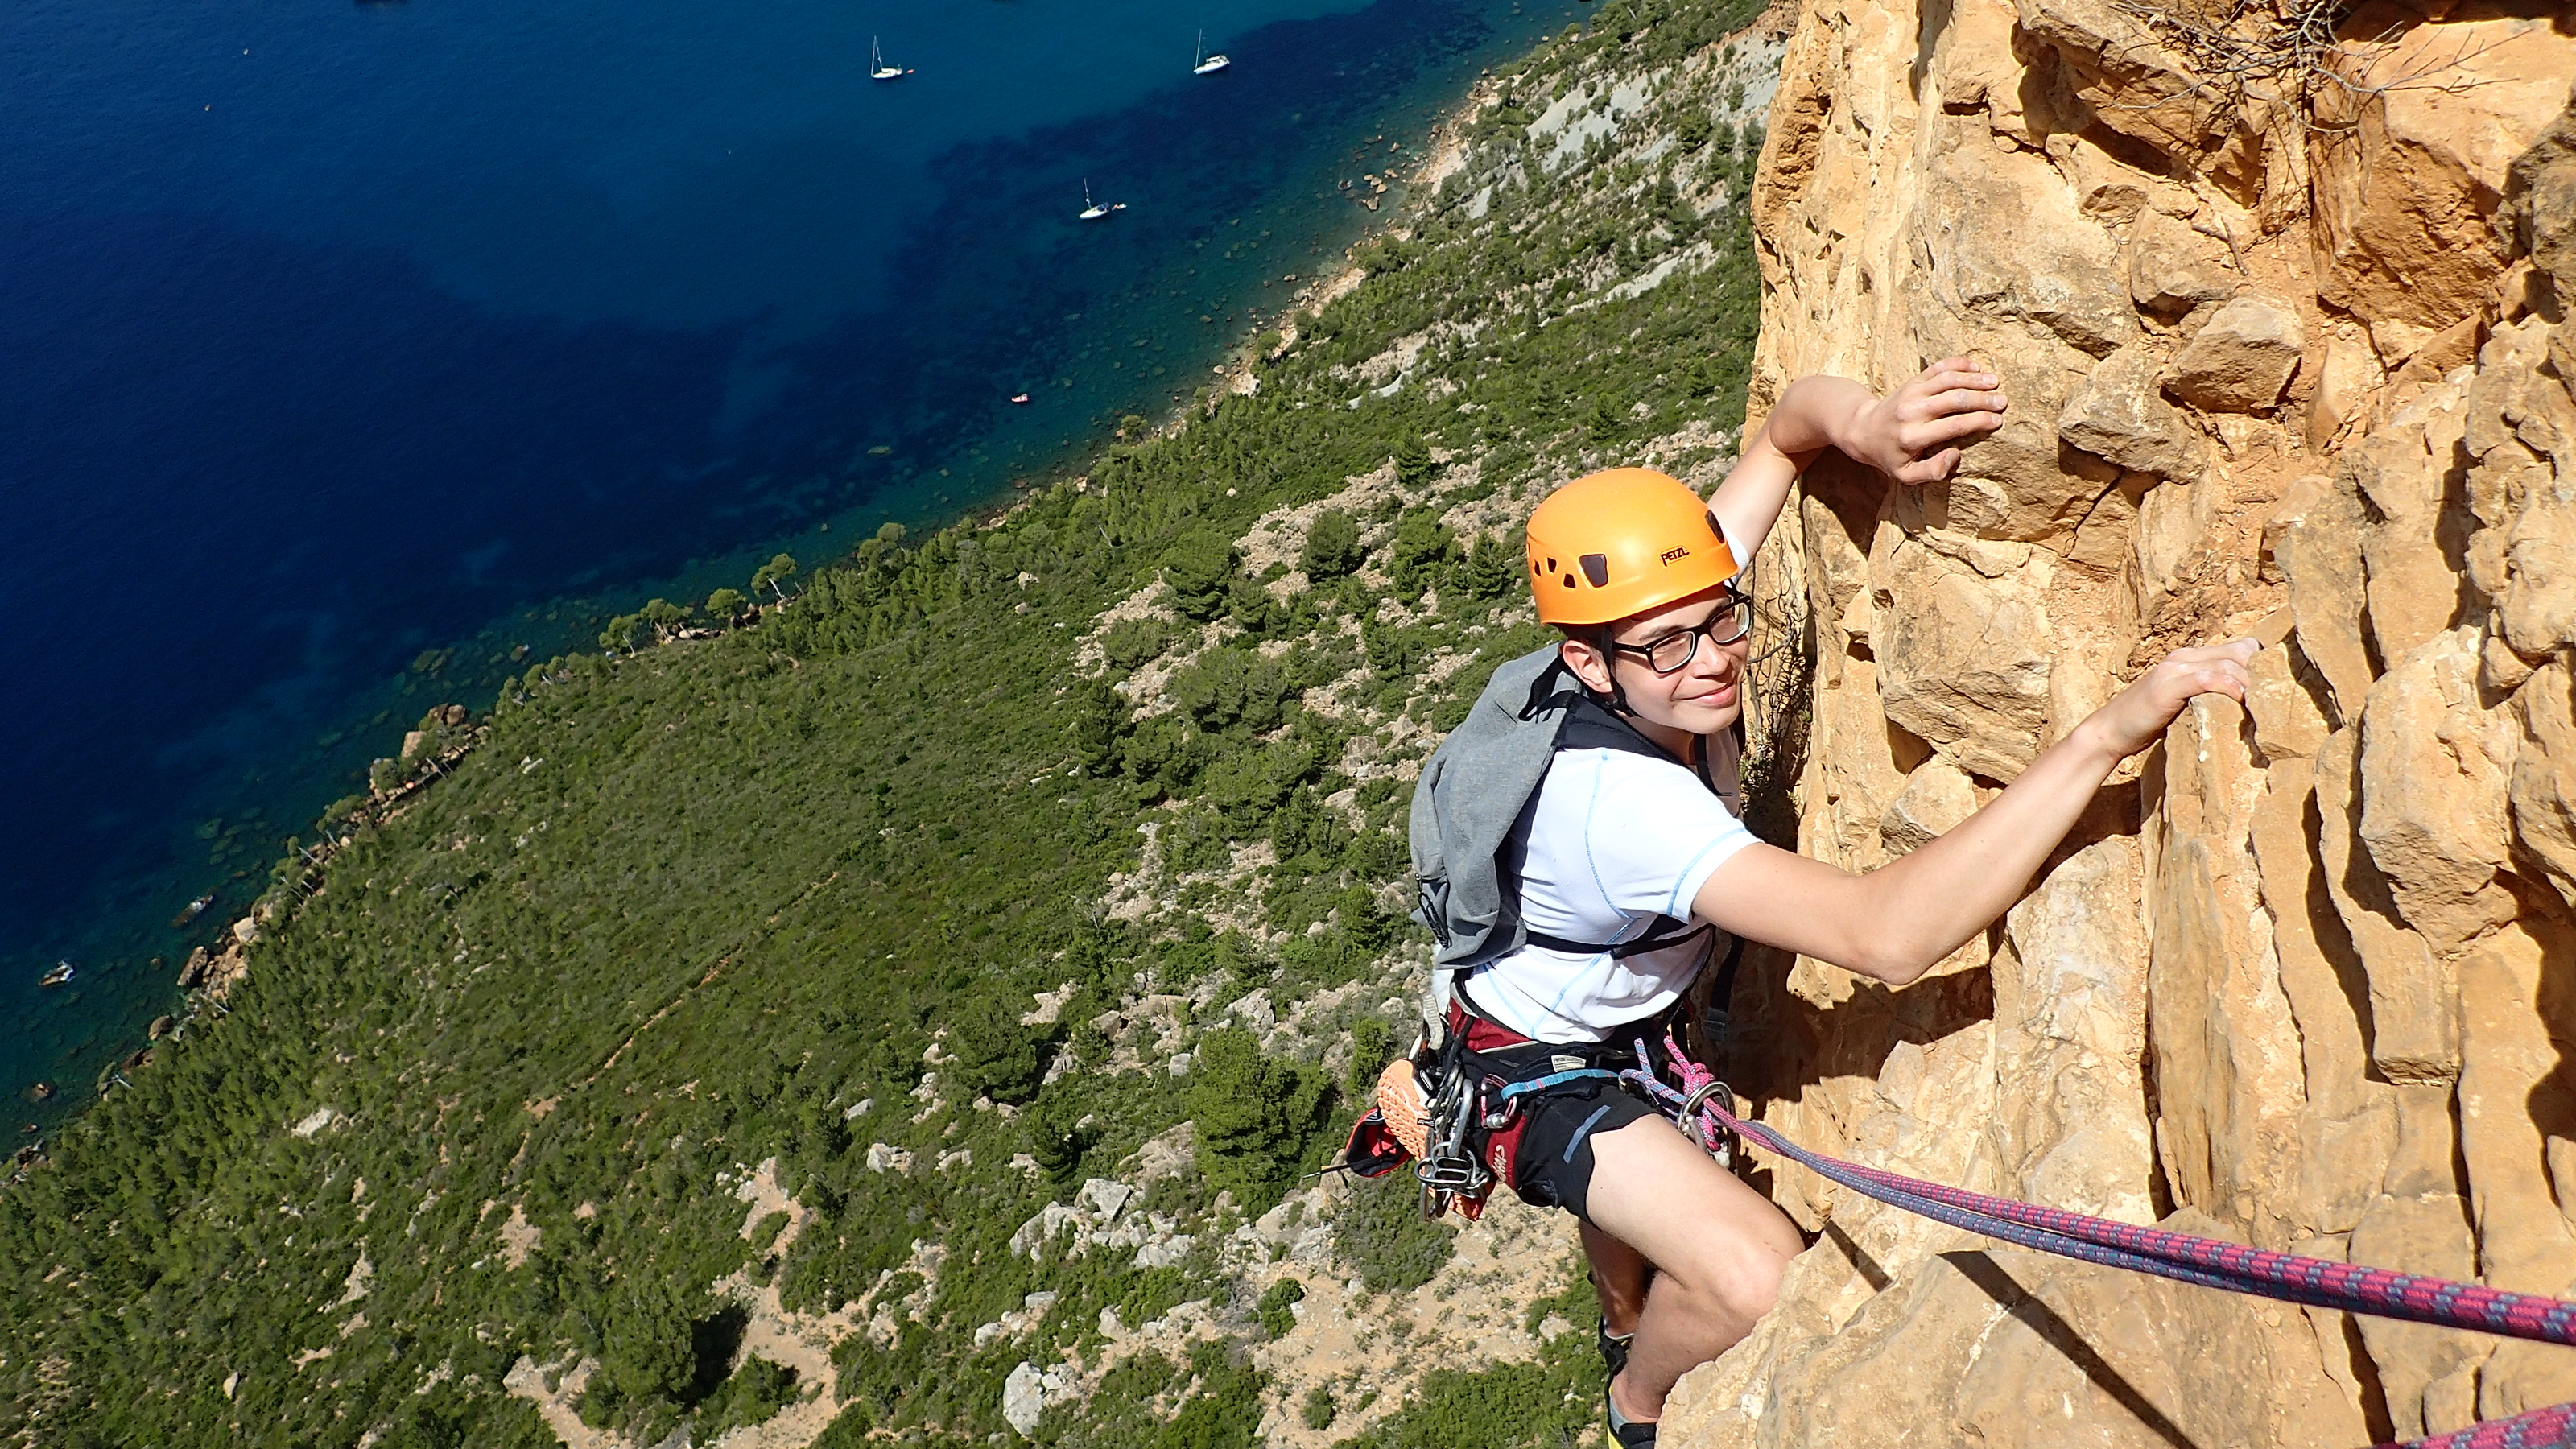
{"points": [[907, 1012], [2280, 301]]}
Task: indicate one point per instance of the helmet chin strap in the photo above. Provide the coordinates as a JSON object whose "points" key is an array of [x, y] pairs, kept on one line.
{"points": [[1617, 700]]}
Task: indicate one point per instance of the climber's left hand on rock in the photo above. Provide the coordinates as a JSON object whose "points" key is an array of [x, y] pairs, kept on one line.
{"points": [[1915, 434], [2137, 716]]}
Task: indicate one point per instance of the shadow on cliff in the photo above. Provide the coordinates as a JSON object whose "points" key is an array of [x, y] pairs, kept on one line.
{"points": [[2025, 1307], [2333, 937], [2552, 1102], [1780, 1042]]}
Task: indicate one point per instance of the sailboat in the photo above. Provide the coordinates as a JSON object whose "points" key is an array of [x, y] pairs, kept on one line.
{"points": [[1093, 210], [1204, 63], [877, 68]]}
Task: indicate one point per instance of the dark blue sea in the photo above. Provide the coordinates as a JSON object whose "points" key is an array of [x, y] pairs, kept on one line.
{"points": [[346, 348]]}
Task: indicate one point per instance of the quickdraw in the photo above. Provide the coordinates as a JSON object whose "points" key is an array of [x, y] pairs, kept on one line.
{"points": [[1450, 1171], [1701, 1106]]}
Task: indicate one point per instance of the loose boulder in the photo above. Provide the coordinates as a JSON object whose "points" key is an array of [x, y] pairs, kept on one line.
{"points": [[2241, 359], [1023, 1399], [2118, 416], [1965, 665]]}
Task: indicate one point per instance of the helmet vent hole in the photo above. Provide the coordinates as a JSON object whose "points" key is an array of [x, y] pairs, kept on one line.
{"points": [[1596, 567]]}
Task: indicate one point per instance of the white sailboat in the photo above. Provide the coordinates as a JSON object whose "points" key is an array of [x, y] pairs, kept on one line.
{"points": [[877, 68], [1203, 63], [1093, 210]]}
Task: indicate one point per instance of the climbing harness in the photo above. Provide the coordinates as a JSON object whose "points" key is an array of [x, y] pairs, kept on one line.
{"points": [[2210, 1263], [1605, 548], [1461, 1127]]}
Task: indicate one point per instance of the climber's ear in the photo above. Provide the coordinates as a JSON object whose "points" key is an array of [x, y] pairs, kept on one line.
{"points": [[1589, 661]]}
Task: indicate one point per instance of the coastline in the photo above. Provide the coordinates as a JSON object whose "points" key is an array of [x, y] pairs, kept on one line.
{"points": [[97, 1053], [629, 979], [240, 699], [1445, 151]]}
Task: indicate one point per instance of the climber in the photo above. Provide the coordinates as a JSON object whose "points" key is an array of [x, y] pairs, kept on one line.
{"points": [[1618, 863]]}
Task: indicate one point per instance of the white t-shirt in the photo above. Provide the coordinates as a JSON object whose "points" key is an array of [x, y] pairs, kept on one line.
{"points": [[1612, 840]]}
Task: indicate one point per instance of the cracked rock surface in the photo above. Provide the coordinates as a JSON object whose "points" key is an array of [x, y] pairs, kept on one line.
{"points": [[2305, 976]]}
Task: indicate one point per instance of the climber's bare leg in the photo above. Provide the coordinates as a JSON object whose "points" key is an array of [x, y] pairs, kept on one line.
{"points": [[1618, 1280], [1717, 1246]]}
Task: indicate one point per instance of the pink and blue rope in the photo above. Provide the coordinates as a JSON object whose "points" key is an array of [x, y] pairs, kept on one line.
{"points": [[2207, 1262]]}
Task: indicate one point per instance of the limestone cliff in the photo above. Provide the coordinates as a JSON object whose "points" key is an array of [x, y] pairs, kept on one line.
{"points": [[2281, 314]]}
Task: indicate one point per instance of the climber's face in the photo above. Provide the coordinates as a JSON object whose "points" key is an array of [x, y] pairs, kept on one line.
{"points": [[1680, 667]]}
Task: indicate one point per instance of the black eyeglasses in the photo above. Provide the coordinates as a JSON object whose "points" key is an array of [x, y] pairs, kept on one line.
{"points": [[1671, 653]]}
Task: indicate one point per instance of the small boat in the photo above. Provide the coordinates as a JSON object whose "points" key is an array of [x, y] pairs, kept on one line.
{"points": [[877, 67], [1093, 210], [1203, 63], [195, 909], [1019, 397], [61, 973]]}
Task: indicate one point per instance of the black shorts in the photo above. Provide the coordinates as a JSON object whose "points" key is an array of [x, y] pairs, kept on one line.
{"points": [[1552, 1166]]}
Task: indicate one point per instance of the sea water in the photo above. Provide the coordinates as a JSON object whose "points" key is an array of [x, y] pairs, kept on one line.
{"points": [[352, 348]]}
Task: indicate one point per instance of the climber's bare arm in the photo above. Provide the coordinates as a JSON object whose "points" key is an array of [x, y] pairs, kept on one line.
{"points": [[1895, 921], [1913, 435]]}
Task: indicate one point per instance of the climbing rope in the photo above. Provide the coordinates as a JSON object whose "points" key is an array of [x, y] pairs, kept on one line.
{"points": [[2539, 1429], [1706, 1112]]}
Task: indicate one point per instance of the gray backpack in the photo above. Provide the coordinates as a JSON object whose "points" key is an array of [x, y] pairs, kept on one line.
{"points": [[1474, 789]]}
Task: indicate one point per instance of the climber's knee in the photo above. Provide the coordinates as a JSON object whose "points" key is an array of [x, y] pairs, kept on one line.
{"points": [[1720, 1243]]}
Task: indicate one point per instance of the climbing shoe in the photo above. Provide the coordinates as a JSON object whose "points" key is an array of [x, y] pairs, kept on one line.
{"points": [[1623, 1434], [1400, 1103], [1614, 1351]]}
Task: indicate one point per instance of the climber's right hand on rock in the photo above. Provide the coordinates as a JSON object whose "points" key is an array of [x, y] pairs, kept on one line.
{"points": [[1915, 434], [2137, 716]]}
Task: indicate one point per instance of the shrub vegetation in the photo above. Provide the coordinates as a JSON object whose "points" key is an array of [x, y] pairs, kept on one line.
{"points": [[785, 888]]}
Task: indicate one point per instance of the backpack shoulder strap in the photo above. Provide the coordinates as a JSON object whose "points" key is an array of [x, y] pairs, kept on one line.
{"points": [[1590, 725]]}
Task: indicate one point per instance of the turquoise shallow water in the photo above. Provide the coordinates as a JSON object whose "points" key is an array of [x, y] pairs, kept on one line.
{"points": [[345, 335]]}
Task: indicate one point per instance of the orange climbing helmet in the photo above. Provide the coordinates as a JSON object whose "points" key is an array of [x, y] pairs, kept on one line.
{"points": [[1620, 542]]}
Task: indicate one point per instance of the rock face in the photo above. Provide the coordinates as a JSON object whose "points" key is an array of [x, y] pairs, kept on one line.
{"points": [[2305, 977]]}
